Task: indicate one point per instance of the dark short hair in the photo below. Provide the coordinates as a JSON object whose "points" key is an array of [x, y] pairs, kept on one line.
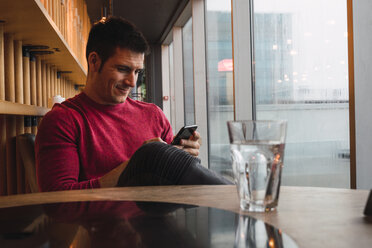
{"points": [[108, 34]]}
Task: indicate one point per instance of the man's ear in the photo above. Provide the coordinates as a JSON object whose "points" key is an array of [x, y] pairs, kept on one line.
{"points": [[94, 62]]}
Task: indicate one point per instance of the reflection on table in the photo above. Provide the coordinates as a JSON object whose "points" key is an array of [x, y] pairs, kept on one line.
{"points": [[313, 217], [133, 224]]}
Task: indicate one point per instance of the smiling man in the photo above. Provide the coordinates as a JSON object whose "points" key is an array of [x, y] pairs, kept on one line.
{"points": [[88, 140], [116, 77]]}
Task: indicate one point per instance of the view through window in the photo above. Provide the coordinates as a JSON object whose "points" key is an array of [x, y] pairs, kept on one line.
{"points": [[301, 75], [188, 73], [219, 82], [171, 87]]}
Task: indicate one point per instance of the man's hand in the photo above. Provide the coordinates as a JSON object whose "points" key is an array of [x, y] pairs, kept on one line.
{"points": [[192, 145]]}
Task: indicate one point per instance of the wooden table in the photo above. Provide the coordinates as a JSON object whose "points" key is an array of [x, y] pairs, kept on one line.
{"points": [[313, 217]]}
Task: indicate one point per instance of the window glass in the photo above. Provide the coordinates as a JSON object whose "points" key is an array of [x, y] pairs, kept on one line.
{"points": [[219, 81], [171, 87], [301, 75], [188, 73]]}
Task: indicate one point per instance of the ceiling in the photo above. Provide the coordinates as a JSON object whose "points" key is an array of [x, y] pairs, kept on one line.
{"points": [[153, 17]]}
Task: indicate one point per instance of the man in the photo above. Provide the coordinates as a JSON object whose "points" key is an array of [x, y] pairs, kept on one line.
{"points": [[88, 140]]}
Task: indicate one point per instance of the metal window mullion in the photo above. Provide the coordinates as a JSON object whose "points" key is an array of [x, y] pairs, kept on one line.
{"points": [[360, 84], [178, 79], [200, 82], [242, 57], [165, 80]]}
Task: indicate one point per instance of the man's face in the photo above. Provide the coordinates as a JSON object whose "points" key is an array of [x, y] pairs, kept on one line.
{"points": [[117, 77]]}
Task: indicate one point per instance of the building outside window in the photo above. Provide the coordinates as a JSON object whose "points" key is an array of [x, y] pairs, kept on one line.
{"points": [[301, 75]]}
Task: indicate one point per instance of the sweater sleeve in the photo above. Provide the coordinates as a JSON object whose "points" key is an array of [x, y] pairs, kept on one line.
{"points": [[56, 151], [167, 133]]}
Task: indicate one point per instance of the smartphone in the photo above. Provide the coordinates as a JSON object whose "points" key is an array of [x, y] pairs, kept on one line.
{"points": [[184, 133]]}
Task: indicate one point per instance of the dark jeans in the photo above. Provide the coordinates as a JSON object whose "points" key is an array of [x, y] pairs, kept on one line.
{"points": [[157, 163]]}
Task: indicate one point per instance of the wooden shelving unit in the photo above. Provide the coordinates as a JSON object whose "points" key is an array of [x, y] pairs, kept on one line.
{"points": [[31, 23], [27, 81], [12, 108]]}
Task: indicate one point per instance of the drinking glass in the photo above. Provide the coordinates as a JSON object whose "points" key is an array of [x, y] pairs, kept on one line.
{"points": [[257, 150]]}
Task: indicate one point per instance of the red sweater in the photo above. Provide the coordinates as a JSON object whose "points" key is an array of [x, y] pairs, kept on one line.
{"points": [[80, 140]]}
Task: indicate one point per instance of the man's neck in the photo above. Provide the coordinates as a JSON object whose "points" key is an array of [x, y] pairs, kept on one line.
{"points": [[91, 94]]}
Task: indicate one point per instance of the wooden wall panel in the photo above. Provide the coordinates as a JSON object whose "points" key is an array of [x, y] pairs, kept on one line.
{"points": [[48, 84], [3, 187], [10, 120], [19, 166], [52, 83], [26, 84], [69, 88], [55, 82], [59, 88], [44, 84], [64, 20], [26, 78], [54, 11], [72, 89], [58, 15], [65, 86], [68, 93], [33, 81], [9, 67], [3, 174], [39, 85], [19, 127], [18, 70], [11, 155], [2, 77], [63, 92], [49, 6], [35, 87]]}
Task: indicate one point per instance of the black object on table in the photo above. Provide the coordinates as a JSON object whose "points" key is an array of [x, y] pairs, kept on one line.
{"points": [[368, 207]]}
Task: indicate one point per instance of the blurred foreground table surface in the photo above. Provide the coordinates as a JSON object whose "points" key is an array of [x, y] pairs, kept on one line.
{"points": [[312, 217]]}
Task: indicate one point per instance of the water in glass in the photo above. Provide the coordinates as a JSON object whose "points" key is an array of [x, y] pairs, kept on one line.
{"points": [[257, 167]]}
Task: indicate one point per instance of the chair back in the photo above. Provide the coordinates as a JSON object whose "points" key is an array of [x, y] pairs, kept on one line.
{"points": [[26, 148]]}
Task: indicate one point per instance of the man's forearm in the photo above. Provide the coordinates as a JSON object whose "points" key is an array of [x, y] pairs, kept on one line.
{"points": [[111, 178]]}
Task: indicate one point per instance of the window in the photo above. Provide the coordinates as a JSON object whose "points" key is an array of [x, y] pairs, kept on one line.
{"points": [[301, 75], [188, 73], [219, 81], [171, 87]]}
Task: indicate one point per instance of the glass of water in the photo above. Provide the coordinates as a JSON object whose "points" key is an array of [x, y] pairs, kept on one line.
{"points": [[257, 150]]}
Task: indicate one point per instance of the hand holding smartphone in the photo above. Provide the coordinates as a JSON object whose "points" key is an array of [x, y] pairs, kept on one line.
{"points": [[184, 133]]}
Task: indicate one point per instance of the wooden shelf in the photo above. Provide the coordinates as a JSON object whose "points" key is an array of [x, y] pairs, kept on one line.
{"points": [[30, 22], [21, 109]]}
